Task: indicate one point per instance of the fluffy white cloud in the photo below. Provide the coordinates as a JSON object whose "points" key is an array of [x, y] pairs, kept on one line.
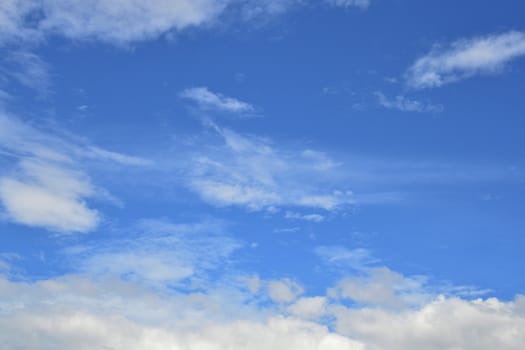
{"points": [[442, 324], [404, 104], [284, 291], [465, 58], [310, 308], [382, 287], [207, 99], [76, 312]]}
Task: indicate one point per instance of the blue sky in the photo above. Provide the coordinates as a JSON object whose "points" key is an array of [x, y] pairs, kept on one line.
{"points": [[262, 174]]}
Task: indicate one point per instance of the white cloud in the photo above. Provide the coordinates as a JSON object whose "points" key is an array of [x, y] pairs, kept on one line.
{"points": [[367, 282], [122, 22], [363, 4], [357, 259], [91, 311], [77, 312], [48, 196], [306, 217], [44, 183], [27, 69], [249, 171], [382, 287], [284, 291], [12, 21], [207, 99], [158, 253], [309, 308], [256, 9], [442, 324], [465, 58], [404, 104], [113, 21]]}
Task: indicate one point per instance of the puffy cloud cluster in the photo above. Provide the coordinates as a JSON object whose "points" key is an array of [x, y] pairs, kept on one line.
{"points": [[76, 312]]}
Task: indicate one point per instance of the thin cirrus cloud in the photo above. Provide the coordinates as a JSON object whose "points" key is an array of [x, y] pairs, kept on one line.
{"points": [[362, 4], [228, 169], [27, 69], [208, 100], [158, 253], [466, 58], [404, 104], [248, 171], [43, 183]]}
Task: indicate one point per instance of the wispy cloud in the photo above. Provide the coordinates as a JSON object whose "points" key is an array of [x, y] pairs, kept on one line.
{"points": [[403, 104], [465, 58], [158, 253], [357, 259], [45, 195], [363, 4], [305, 217], [44, 184], [209, 100], [113, 21], [124, 22], [248, 171]]}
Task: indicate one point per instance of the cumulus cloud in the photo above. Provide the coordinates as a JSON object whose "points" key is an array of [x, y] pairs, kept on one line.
{"points": [[209, 100], [310, 308], [382, 287], [466, 58], [441, 324], [81, 313], [367, 282], [404, 104], [89, 310], [284, 291]]}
